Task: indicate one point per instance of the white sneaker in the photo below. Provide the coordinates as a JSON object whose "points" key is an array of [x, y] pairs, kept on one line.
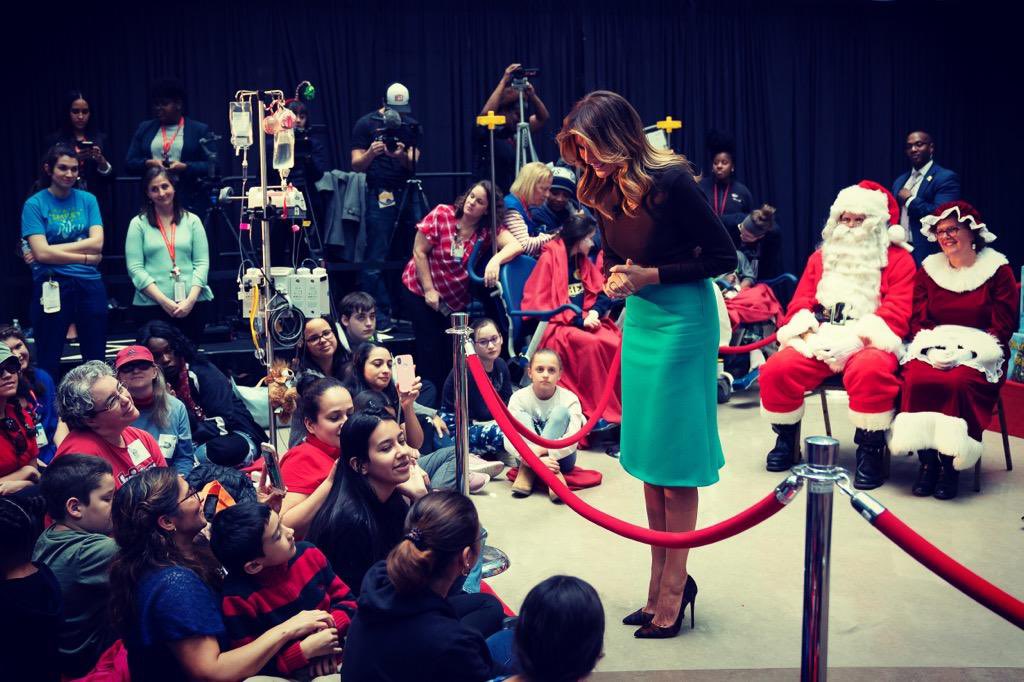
{"points": [[483, 466], [477, 481]]}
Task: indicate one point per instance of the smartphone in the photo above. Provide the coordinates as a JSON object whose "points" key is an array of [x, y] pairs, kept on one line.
{"points": [[405, 372], [84, 144], [271, 465]]}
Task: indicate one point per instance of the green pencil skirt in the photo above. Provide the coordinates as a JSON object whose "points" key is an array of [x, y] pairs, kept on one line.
{"points": [[669, 433]]}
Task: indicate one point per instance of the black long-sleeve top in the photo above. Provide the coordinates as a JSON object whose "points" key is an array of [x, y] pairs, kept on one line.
{"points": [[675, 230]]}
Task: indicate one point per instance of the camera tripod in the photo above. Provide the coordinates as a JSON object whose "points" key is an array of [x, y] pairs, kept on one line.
{"points": [[525, 152]]}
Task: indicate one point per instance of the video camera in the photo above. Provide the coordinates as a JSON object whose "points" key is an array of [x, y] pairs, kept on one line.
{"points": [[394, 130], [521, 76]]}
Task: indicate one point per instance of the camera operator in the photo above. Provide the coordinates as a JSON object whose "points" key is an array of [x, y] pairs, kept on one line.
{"points": [[173, 142], [384, 147], [505, 102]]}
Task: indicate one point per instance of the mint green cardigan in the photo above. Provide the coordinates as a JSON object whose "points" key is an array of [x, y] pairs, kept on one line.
{"points": [[148, 262]]}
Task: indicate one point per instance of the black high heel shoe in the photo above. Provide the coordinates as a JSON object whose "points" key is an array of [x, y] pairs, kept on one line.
{"points": [[652, 631], [638, 617]]}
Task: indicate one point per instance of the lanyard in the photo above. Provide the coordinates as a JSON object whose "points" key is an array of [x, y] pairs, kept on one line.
{"points": [[169, 243], [720, 209], [163, 133]]}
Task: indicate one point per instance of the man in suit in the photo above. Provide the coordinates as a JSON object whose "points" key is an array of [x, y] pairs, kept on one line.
{"points": [[172, 141], [920, 190]]}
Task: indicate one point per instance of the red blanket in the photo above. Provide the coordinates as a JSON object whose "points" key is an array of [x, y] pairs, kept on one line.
{"points": [[755, 304], [586, 356]]}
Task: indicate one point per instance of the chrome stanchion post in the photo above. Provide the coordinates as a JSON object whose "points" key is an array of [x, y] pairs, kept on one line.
{"points": [[821, 473], [460, 334]]}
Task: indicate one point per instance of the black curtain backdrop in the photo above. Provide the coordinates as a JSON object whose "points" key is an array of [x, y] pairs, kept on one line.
{"points": [[818, 95]]}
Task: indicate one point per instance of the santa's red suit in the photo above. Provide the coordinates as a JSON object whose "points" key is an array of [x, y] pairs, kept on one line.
{"points": [[862, 286]]}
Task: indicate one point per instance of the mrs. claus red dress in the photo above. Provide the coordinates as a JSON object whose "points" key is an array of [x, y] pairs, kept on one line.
{"points": [[586, 356], [967, 315]]}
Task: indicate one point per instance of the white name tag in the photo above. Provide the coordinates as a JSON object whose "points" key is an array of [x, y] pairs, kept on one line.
{"points": [[179, 291], [51, 297], [138, 452], [167, 443]]}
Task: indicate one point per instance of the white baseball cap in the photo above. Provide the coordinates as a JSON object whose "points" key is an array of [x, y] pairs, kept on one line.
{"points": [[398, 97]]}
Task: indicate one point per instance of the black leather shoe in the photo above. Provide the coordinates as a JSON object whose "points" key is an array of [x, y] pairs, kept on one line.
{"points": [[781, 457], [928, 474], [638, 617], [949, 480], [870, 446], [652, 631]]}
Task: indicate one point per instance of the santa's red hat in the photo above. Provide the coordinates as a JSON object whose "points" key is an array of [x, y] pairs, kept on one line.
{"points": [[964, 213], [875, 201]]}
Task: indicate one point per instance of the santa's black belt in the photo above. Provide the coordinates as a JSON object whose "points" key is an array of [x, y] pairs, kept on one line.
{"points": [[833, 315]]}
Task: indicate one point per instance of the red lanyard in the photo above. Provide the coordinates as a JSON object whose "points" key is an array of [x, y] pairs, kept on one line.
{"points": [[163, 134], [725, 196], [169, 243]]}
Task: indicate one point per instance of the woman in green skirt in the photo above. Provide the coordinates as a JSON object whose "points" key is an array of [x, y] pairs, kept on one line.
{"points": [[662, 243]]}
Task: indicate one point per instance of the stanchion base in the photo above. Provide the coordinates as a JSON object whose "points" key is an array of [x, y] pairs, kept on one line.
{"points": [[495, 562]]}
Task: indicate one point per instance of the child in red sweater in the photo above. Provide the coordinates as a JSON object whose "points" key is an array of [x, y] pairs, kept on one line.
{"points": [[272, 578]]}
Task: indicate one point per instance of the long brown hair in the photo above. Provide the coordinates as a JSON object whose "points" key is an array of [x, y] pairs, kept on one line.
{"points": [[613, 130], [144, 546]]}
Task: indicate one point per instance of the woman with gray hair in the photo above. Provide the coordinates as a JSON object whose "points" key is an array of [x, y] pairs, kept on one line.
{"points": [[98, 410]]}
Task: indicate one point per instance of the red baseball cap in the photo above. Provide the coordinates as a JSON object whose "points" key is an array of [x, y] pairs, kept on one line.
{"points": [[132, 354]]}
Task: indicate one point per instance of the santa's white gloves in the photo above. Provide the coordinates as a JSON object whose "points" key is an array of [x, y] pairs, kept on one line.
{"points": [[834, 345]]}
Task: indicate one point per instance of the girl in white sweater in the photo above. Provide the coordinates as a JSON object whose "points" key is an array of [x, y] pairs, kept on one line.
{"points": [[549, 410]]}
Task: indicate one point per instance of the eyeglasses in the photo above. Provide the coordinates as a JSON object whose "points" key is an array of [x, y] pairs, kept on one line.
{"points": [[114, 401], [948, 232], [492, 341], [10, 366], [851, 222], [15, 434], [317, 338], [137, 366], [192, 492]]}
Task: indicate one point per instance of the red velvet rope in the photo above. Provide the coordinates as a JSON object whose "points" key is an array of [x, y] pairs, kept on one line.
{"points": [[739, 350], [609, 388], [746, 519], [956, 574]]}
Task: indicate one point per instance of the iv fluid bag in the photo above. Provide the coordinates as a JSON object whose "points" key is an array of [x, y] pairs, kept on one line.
{"points": [[284, 149], [240, 118]]}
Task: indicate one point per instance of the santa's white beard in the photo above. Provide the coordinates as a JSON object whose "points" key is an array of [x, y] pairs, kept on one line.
{"points": [[852, 262]]}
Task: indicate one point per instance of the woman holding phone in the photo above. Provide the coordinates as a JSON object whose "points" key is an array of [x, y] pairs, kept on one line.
{"points": [[662, 243]]}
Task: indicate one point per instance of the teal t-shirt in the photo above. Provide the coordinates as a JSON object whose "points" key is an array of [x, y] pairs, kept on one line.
{"points": [[61, 221]]}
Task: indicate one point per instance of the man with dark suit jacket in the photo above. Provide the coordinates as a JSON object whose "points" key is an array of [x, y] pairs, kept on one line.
{"points": [[173, 142], [920, 190]]}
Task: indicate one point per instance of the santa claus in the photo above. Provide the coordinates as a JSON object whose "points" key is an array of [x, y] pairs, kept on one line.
{"points": [[848, 316]]}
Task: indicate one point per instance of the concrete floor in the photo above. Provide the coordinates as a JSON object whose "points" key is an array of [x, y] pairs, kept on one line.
{"points": [[887, 611]]}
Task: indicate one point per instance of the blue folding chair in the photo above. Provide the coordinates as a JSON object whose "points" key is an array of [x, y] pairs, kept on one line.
{"points": [[511, 282]]}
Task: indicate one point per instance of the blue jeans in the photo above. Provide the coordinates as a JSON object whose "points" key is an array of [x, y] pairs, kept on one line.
{"points": [[553, 429], [83, 302], [502, 647], [380, 228]]}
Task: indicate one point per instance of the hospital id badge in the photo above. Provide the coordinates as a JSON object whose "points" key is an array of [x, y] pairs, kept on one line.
{"points": [[167, 443], [41, 440], [51, 297], [458, 250], [385, 199], [179, 291]]}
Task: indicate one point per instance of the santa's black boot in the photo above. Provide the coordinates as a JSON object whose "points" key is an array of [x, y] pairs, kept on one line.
{"points": [[928, 474], [870, 446], [949, 480], [782, 456]]}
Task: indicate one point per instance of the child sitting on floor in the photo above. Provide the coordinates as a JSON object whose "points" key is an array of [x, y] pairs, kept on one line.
{"points": [[272, 578], [549, 410]]}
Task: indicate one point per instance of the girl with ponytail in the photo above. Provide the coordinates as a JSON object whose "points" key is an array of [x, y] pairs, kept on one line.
{"points": [[414, 597]]}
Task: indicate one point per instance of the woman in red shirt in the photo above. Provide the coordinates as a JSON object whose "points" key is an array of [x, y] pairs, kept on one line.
{"points": [[308, 468], [18, 448]]}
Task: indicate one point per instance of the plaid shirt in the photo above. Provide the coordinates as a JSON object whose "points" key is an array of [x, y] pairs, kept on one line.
{"points": [[448, 272]]}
